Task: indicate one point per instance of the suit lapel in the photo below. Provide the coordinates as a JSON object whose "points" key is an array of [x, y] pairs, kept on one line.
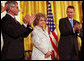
{"points": [[68, 24], [12, 19], [74, 22]]}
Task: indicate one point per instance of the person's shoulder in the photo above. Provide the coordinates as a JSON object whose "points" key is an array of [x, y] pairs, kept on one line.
{"points": [[76, 21], [6, 16], [4, 19], [63, 19], [34, 30]]}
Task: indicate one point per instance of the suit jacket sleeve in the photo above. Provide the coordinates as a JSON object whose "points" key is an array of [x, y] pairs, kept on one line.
{"points": [[65, 28], [38, 44], [14, 30], [30, 29], [81, 34]]}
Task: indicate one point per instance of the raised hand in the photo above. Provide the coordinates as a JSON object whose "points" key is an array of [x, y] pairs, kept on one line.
{"points": [[26, 19], [29, 19], [3, 8], [77, 27], [81, 26], [32, 18]]}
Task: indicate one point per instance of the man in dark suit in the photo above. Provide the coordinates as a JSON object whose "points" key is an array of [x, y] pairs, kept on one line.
{"points": [[13, 33], [68, 44], [3, 8], [81, 35], [82, 44]]}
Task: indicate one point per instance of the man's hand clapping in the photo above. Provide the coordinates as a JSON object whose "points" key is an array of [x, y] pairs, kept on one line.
{"points": [[3, 8], [29, 19], [77, 27]]}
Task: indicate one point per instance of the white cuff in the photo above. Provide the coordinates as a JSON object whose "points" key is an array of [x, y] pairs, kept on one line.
{"points": [[73, 30], [25, 25], [30, 27], [78, 34]]}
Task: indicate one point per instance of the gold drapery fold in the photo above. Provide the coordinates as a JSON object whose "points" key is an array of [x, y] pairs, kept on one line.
{"points": [[58, 10]]}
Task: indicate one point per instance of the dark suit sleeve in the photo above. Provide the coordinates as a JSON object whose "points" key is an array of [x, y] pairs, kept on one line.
{"points": [[81, 34], [30, 29], [14, 30], [76, 32]]}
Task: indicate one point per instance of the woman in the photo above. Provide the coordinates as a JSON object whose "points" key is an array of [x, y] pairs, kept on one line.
{"points": [[42, 49]]}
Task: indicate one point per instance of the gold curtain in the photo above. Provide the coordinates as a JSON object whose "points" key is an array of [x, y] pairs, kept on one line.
{"points": [[58, 9]]}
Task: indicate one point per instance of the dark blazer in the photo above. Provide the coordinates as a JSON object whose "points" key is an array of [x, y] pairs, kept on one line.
{"points": [[82, 46], [68, 45], [81, 35], [13, 36]]}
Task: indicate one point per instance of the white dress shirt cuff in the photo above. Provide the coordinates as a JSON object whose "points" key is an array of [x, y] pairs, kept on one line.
{"points": [[30, 27], [73, 30], [78, 34], [25, 25]]}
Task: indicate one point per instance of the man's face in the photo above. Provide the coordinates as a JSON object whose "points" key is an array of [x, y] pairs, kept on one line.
{"points": [[70, 12], [15, 9]]}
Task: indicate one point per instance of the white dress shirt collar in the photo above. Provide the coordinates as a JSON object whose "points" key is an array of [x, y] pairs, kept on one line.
{"points": [[70, 19]]}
